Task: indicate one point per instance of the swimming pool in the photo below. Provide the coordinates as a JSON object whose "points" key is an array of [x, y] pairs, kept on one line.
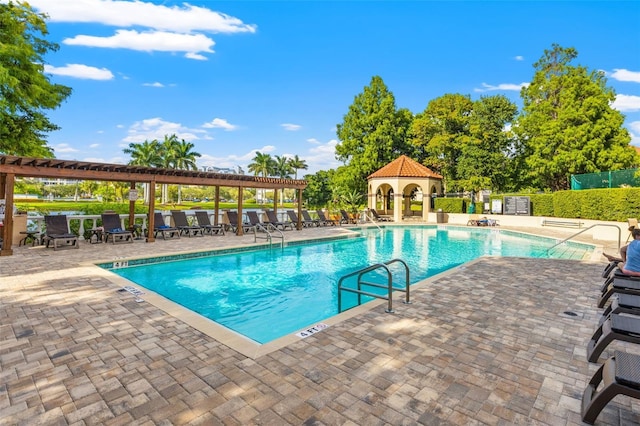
{"points": [[266, 294]]}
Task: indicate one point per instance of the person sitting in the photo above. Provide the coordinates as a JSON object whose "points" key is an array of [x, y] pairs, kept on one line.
{"points": [[623, 250], [631, 255]]}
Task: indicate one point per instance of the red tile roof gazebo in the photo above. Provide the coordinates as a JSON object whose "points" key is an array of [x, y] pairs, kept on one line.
{"points": [[399, 179]]}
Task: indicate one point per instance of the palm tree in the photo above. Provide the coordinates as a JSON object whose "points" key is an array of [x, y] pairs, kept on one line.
{"points": [[262, 165], [167, 152], [184, 159], [282, 169], [296, 164], [145, 154]]}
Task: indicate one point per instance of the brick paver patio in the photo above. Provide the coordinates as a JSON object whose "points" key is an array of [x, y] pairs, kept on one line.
{"points": [[497, 341]]}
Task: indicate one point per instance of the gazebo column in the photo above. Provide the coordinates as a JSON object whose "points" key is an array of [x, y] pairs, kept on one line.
{"points": [[397, 207], [152, 210], [406, 200], [239, 229]]}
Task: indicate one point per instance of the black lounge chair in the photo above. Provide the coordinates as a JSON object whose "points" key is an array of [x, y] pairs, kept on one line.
{"points": [[294, 219], [112, 228], [619, 285], [205, 223], [307, 218], [273, 220], [622, 304], [324, 221], [615, 327], [57, 232], [619, 375], [609, 268], [159, 227], [234, 222], [379, 218], [346, 218], [181, 222]]}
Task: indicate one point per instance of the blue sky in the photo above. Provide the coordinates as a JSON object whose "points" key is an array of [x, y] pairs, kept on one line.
{"points": [[236, 77]]}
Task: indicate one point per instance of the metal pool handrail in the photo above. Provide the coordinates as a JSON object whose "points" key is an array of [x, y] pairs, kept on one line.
{"points": [[268, 235], [586, 229], [390, 288]]}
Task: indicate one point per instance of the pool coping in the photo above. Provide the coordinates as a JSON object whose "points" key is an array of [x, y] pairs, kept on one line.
{"points": [[241, 343]]}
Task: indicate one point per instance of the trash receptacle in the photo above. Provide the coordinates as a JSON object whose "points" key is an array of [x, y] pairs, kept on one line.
{"points": [[440, 216]]}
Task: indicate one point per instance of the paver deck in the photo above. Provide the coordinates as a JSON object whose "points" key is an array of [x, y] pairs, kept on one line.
{"points": [[497, 341]]}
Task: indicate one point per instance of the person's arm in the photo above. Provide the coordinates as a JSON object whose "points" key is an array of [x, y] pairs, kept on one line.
{"points": [[623, 252]]}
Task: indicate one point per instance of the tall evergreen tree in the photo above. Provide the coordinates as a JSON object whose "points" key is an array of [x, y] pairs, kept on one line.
{"points": [[372, 134], [567, 125], [25, 91]]}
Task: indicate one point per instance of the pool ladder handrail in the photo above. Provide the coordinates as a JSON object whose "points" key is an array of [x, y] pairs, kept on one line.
{"points": [[586, 229], [390, 287], [366, 216], [268, 235]]}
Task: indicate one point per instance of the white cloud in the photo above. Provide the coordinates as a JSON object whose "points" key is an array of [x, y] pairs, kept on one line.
{"points": [[155, 84], [626, 75], [220, 123], [80, 71], [634, 130], [313, 141], [148, 41], [322, 157], [94, 145], [118, 13], [291, 127], [156, 128], [233, 161], [626, 103], [64, 148], [519, 58], [503, 86]]}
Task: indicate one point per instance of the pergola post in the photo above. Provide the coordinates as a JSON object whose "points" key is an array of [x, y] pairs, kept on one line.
{"points": [[152, 207], [7, 228], [132, 207], [239, 227], [216, 205]]}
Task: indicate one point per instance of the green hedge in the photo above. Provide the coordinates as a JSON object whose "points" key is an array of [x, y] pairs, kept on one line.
{"points": [[610, 204]]}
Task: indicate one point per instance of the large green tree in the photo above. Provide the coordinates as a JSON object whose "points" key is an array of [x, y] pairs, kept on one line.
{"points": [[439, 134], [25, 91], [372, 134], [487, 158], [318, 191], [567, 125]]}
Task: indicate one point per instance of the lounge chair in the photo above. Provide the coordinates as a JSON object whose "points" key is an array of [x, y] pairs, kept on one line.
{"points": [[112, 228], [379, 218], [57, 232], [619, 285], [346, 218], [181, 222], [273, 220], [159, 227], [620, 374], [324, 221], [615, 327], [233, 218], [294, 218], [307, 218], [622, 304], [205, 223]]}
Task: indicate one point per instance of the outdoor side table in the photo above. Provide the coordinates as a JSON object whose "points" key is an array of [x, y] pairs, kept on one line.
{"points": [[29, 236]]}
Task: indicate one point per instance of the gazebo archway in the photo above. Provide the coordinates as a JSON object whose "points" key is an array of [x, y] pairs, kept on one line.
{"points": [[394, 184]]}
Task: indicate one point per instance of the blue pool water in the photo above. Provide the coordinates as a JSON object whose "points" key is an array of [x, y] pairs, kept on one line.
{"points": [[266, 294]]}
